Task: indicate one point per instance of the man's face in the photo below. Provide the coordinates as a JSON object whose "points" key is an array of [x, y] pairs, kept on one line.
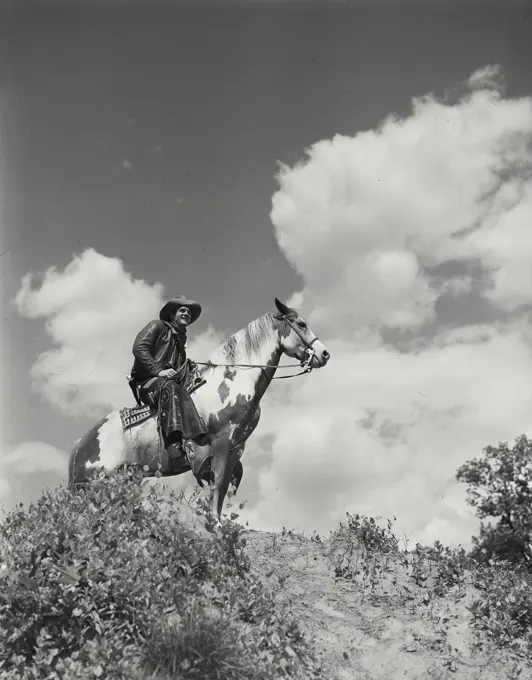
{"points": [[182, 317]]}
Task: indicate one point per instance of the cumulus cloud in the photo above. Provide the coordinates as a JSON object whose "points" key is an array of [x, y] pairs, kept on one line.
{"points": [[490, 76], [26, 469], [365, 218], [93, 310], [389, 228]]}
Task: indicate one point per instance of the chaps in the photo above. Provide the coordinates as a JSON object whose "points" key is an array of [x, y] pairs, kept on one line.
{"points": [[179, 418]]}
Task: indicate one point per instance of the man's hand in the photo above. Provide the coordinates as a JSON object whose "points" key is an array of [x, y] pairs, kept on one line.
{"points": [[167, 373]]}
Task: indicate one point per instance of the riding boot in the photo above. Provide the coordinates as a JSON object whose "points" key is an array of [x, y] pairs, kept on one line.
{"points": [[176, 456]]}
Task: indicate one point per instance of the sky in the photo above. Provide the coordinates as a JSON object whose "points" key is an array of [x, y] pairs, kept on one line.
{"points": [[369, 163]]}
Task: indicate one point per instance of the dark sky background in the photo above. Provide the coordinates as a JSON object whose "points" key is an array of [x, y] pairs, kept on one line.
{"points": [[152, 133]]}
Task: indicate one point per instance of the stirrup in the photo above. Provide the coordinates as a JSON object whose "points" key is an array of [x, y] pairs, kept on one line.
{"points": [[197, 465], [189, 450]]}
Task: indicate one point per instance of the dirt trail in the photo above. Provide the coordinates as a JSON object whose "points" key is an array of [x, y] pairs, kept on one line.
{"points": [[379, 626]]}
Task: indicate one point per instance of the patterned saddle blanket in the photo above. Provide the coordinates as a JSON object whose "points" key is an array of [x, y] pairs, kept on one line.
{"points": [[136, 415]]}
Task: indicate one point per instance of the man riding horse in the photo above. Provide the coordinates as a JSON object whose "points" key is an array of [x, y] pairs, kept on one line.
{"points": [[161, 378], [229, 406]]}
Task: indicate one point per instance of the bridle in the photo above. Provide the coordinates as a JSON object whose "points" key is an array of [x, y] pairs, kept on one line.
{"points": [[305, 364]]}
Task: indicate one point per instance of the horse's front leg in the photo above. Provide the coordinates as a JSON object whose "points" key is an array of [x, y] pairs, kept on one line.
{"points": [[222, 465]]}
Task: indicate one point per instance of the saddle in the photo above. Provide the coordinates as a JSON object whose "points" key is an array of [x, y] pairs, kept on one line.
{"points": [[141, 412]]}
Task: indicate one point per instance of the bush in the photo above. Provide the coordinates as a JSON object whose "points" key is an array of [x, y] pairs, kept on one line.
{"points": [[358, 548], [504, 611], [105, 582], [440, 567], [500, 543]]}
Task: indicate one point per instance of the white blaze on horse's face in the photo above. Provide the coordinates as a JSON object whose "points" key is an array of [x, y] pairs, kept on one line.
{"points": [[297, 340]]}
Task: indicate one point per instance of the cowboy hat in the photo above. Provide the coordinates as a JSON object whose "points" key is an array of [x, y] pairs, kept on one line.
{"points": [[176, 303]]}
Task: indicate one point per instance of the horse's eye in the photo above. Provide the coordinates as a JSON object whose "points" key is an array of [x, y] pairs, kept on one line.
{"points": [[301, 324]]}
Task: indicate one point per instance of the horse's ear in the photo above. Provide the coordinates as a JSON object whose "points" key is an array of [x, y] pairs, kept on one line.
{"points": [[281, 307]]}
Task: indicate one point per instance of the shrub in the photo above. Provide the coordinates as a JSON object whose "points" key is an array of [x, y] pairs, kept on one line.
{"points": [[504, 610], [108, 582], [358, 548], [440, 567]]}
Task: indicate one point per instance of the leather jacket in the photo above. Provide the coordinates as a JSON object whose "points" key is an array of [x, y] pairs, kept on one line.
{"points": [[155, 348]]}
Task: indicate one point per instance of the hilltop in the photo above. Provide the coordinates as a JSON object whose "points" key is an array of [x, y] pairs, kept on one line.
{"points": [[118, 582], [379, 615]]}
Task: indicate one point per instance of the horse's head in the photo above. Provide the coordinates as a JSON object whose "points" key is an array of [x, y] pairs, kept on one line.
{"points": [[297, 340]]}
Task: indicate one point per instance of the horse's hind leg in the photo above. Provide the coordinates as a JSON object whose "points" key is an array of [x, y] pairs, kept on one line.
{"points": [[222, 465], [236, 474]]}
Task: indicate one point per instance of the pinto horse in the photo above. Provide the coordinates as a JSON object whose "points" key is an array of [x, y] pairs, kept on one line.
{"points": [[235, 379]]}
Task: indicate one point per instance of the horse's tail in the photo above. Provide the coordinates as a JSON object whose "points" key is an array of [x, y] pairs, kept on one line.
{"points": [[86, 449], [72, 459]]}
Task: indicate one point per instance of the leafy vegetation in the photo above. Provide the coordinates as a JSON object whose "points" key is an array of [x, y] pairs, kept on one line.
{"points": [[115, 581], [499, 592], [108, 583]]}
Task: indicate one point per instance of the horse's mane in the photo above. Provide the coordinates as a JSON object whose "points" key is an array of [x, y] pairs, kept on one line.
{"points": [[246, 343]]}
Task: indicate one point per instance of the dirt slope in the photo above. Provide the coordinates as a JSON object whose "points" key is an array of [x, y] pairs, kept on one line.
{"points": [[377, 625]]}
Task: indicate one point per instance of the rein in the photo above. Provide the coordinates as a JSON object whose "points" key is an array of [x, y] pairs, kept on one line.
{"points": [[305, 364]]}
